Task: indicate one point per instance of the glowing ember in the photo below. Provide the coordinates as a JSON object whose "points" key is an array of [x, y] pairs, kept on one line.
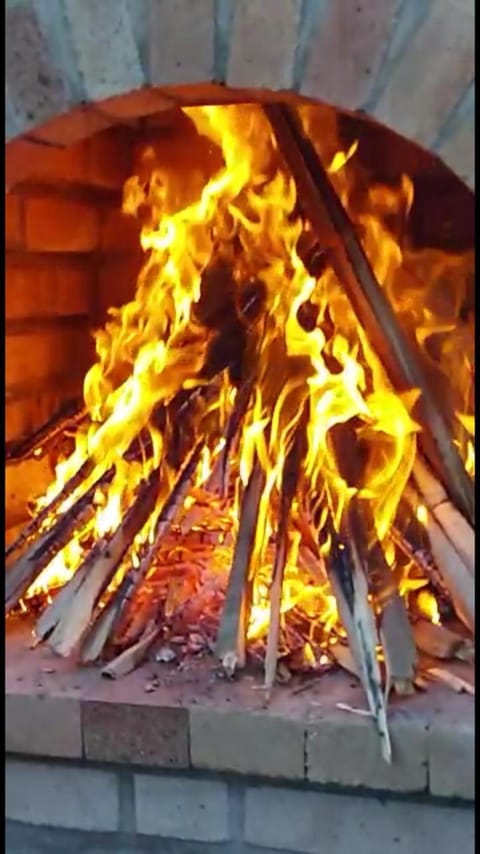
{"points": [[225, 298]]}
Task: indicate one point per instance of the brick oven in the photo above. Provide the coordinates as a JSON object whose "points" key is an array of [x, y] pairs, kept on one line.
{"points": [[171, 756]]}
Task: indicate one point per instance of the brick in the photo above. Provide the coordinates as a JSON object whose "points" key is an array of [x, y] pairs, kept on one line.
{"points": [[47, 292], [27, 412], [247, 743], [76, 126], [57, 225], [117, 281], [309, 822], [13, 222], [181, 808], [181, 41], [458, 151], [143, 734], [106, 51], [135, 105], [61, 796], [263, 42], [42, 726], [344, 749], [119, 231], [57, 353], [108, 159], [344, 50], [434, 70], [25, 159], [35, 84], [451, 759]]}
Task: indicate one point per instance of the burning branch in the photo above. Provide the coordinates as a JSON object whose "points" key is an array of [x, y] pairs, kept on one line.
{"points": [[109, 618], [397, 353], [232, 631], [99, 569], [29, 566], [290, 478]]}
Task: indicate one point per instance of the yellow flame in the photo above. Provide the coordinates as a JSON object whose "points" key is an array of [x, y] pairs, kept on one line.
{"points": [[238, 205]]}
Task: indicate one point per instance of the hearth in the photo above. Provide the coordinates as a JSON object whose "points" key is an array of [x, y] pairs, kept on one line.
{"points": [[272, 459]]}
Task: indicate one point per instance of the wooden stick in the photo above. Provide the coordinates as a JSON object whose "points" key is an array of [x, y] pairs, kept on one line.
{"points": [[455, 575], [441, 642], [290, 477], [130, 658], [75, 619], [456, 683], [32, 527], [398, 647], [350, 587], [70, 415], [422, 559], [398, 354], [394, 626], [453, 524], [109, 619], [134, 452], [231, 639], [29, 566], [240, 407]]}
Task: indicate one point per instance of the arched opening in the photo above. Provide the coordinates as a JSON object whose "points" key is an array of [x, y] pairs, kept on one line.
{"points": [[185, 239]]}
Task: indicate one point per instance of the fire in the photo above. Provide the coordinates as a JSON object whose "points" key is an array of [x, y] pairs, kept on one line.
{"points": [[242, 228]]}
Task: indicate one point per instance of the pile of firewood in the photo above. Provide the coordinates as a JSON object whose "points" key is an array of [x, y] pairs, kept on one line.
{"points": [[91, 615]]}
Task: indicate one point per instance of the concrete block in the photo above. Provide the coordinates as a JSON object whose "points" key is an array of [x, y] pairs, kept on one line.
{"points": [[147, 735], [181, 41], [181, 808], [42, 726], [451, 760], [344, 749], [105, 47], [432, 73], [311, 822], [264, 38], [35, 84], [61, 796], [344, 50], [57, 225], [247, 743]]}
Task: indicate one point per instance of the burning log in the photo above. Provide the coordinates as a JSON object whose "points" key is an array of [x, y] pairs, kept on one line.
{"points": [[98, 570], [453, 524], [395, 351], [440, 642], [231, 638], [456, 576], [109, 618], [290, 478], [29, 566]]}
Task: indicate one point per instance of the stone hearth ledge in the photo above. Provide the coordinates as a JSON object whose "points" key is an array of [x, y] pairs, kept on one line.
{"points": [[195, 720]]}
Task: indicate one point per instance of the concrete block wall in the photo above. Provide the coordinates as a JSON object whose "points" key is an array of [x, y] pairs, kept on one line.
{"points": [[53, 806], [406, 63]]}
